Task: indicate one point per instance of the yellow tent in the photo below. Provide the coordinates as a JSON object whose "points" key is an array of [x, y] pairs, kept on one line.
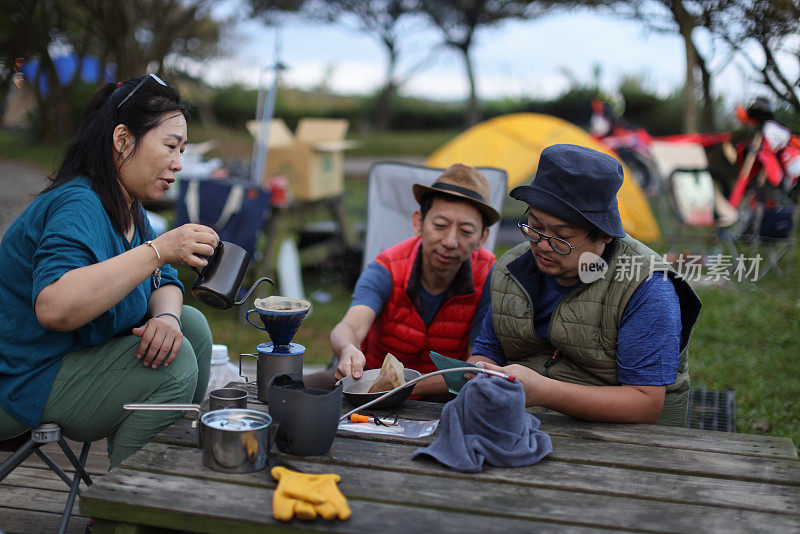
{"points": [[514, 142]]}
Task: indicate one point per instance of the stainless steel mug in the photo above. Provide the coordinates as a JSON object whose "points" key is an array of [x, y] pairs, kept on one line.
{"points": [[220, 399]]}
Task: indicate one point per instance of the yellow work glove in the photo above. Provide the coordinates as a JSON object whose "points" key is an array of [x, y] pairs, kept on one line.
{"points": [[305, 496]]}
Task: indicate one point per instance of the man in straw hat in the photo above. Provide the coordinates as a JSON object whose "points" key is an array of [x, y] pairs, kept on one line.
{"points": [[588, 332], [423, 293]]}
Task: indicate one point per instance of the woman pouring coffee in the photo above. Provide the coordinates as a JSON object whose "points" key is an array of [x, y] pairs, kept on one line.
{"points": [[92, 313]]}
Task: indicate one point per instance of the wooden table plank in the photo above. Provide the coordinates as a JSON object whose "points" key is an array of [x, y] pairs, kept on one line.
{"points": [[204, 506], [680, 461], [428, 489], [612, 454], [671, 437], [557, 424], [569, 476]]}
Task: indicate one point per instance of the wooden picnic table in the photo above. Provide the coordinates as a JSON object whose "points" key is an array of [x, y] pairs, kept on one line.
{"points": [[599, 476]]}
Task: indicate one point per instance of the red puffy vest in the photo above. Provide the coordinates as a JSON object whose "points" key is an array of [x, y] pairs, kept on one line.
{"points": [[399, 329]]}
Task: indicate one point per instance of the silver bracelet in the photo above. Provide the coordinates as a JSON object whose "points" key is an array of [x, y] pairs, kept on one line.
{"points": [[157, 272], [180, 324]]}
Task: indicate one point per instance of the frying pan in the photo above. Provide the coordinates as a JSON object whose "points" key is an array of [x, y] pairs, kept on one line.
{"points": [[355, 391], [379, 398]]}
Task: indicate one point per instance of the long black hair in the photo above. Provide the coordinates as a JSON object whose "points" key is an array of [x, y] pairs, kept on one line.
{"points": [[90, 152]]}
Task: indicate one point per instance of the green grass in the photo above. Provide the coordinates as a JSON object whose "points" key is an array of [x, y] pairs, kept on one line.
{"points": [[15, 145], [747, 336]]}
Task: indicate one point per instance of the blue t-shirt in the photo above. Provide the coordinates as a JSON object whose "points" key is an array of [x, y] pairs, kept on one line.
{"points": [[61, 230], [649, 337], [375, 285]]}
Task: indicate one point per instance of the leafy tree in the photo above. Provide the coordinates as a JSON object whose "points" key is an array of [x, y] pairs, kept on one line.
{"points": [[459, 20], [773, 26], [130, 36], [38, 27], [133, 35], [384, 20], [682, 17]]}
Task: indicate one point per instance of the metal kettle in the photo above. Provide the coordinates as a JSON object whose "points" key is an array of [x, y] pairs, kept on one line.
{"points": [[218, 283]]}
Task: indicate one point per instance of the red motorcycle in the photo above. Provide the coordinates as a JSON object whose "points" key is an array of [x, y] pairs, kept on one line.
{"points": [[768, 179], [631, 144]]}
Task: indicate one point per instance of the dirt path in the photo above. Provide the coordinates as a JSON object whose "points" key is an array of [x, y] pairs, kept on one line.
{"points": [[19, 184]]}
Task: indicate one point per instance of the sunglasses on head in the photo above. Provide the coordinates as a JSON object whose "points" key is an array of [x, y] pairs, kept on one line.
{"points": [[138, 85]]}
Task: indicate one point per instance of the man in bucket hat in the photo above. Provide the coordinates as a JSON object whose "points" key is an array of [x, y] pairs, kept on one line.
{"points": [[422, 294], [588, 331]]}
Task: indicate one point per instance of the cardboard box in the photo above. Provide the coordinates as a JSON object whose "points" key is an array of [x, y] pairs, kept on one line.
{"points": [[311, 160]]}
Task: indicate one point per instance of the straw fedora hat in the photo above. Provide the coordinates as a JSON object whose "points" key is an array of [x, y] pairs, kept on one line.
{"points": [[464, 183]]}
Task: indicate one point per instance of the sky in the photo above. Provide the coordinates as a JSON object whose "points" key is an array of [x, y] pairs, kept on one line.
{"points": [[537, 59]]}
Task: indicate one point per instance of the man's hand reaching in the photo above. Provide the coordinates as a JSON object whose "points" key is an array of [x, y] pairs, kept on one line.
{"points": [[351, 362]]}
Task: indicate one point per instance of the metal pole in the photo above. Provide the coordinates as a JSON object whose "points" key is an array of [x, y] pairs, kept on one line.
{"points": [[266, 118], [259, 119]]}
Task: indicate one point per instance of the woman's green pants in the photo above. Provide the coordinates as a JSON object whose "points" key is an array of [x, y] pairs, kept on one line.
{"points": [[92, 385]]}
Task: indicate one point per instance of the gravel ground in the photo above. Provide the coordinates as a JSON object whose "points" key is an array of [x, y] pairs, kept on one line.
{"points": [[20, 184]]}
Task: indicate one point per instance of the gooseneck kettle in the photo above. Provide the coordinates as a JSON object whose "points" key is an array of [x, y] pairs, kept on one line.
{"points": [[218, 283]]}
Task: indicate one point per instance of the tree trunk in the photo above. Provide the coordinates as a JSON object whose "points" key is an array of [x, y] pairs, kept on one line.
{"points": [[709, 122], [383, 112], [690, 113], [472, 113], [685, 27]]}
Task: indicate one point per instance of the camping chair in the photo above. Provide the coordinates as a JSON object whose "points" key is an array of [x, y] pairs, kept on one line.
{"points": [[235, 208], [33, 441], [390, 203], [693, 208]]}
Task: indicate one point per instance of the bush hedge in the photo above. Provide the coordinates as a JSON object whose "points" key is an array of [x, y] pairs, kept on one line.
{"points": [[234, 105]]}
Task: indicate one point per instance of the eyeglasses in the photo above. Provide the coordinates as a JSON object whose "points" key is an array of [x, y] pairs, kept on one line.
{"points": [[556, 243], [138, 85]]}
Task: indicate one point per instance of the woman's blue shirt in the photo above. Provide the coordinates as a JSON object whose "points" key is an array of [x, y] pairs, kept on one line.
{"points": [[61, 230]]}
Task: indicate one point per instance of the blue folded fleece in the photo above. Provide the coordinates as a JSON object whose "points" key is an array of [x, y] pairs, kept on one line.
{"points": [[487, 421]]}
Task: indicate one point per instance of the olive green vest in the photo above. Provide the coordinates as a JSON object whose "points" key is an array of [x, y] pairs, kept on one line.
{"points": [[584, 325]]}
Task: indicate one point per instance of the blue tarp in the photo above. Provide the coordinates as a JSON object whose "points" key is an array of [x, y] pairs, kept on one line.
{"points": [[66, 67]]}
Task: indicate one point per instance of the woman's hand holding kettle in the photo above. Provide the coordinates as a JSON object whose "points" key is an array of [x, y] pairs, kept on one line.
{"points": [[190, 244]]}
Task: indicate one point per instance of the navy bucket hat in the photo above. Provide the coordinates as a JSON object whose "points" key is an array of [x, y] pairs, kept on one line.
{"points": [[576, 184]]}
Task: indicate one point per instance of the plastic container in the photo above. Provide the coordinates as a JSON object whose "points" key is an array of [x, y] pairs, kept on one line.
{"points": [[223, 371]]}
